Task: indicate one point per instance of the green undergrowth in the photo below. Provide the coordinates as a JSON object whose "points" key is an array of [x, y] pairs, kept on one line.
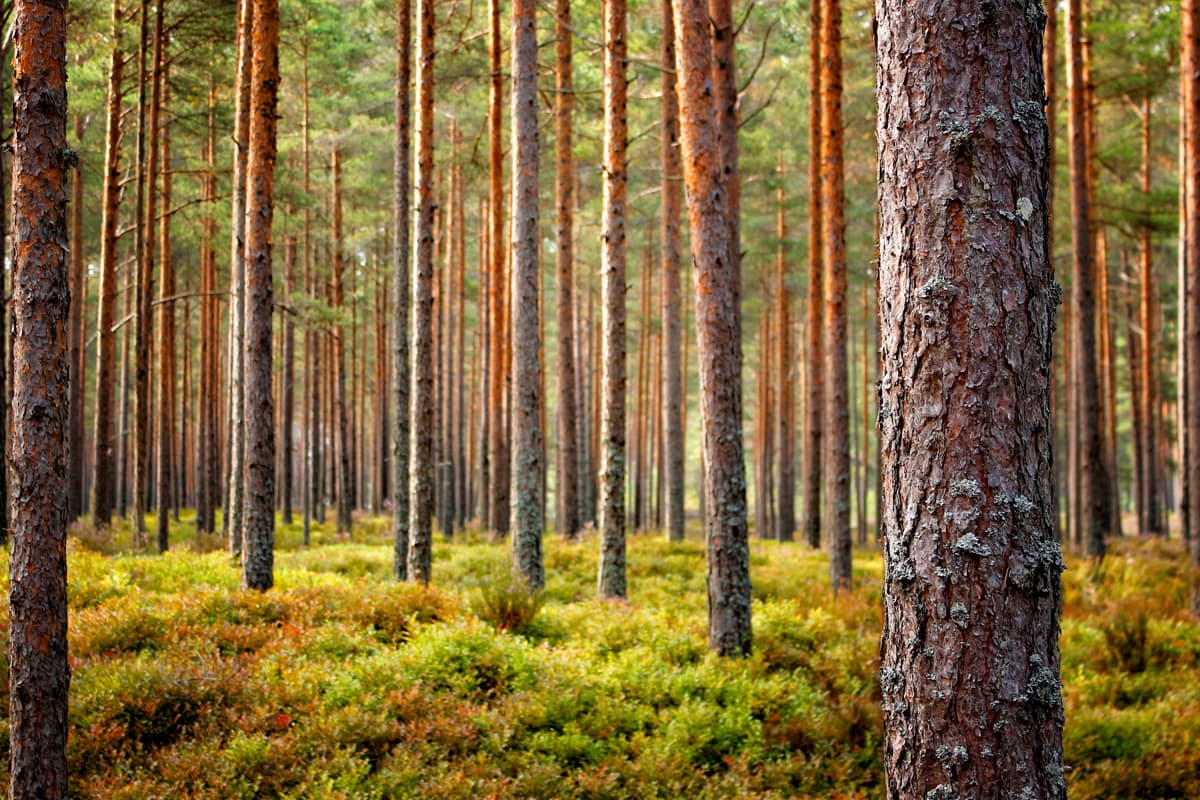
{"points": [[341, 683]]}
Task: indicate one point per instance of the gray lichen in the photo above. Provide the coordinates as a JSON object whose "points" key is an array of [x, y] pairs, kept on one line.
{"points": [[966, 487], [960, 615], [941, 792], [972, 544], [1030, 115], [957, 130], [950, 757], [891, 680]]}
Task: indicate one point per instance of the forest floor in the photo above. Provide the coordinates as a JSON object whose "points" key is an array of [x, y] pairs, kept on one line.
{"points": [[339, 683]]}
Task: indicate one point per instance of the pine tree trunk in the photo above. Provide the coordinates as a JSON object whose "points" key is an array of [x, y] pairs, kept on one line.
{"points": [[37, 453], [421, 470], [401, 194], [287, 386], [1147, 336], [259, 479], [970, 661], [612, 272], [345, 493], [106, 336], [498, 444], [234, 507], [76, 499], [708, 177], [814, 364], [785, 525], [1093, 521], [672, 369], [527, 466], [1190, 409], [836, 414], [207, 442], [564, 198], [166, 320]]}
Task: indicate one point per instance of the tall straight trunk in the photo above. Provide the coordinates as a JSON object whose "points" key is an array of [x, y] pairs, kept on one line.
{"points": [[785, 525], [611, 582], [106, 336], [637, 448], [312, 448], [527, 451], [498, 444], [463, 435], [37, 453], [564, 199], [232, 521], [207, 442], [672, 368], [485, 361], [259, 517], [1050, 71], [972, 589], [128, 297], [765, 423], [1147, 335], [814, 364], [864, 441], [1093, 520], [836, 414], [446, 343], [144, 320], [287, 386], [401, 192], [76, 499], [1189, 60], [166, 398], [1190, 297], [709, 179], [345, 493], [421, 469], [166, 311]]}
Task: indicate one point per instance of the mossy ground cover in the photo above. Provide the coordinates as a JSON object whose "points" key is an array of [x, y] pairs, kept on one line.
{"points": [[339, 683]]}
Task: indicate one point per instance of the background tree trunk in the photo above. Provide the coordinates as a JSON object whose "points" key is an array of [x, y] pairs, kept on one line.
{"points": [[718, 321], [672, 369], [814, 364], [259, 519]]}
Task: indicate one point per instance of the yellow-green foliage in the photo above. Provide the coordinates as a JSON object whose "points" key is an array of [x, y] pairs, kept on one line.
{"points": [[339, 683]]}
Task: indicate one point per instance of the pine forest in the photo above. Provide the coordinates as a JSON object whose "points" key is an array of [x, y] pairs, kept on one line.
{"points": [[600, 399]]}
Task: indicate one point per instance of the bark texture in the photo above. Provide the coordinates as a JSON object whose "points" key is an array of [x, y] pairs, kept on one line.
{"points": [[259, 478], [421, 470], [718, 328], [39, 675], [612, 277], [970, 661], [527, 452]]}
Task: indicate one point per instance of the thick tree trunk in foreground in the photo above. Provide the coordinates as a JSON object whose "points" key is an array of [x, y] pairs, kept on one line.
{"points": [[527, 451], [401, 191], [970, 661], [421, 470], [612, 276], [37, 455], [718, 327], [259, 479]]}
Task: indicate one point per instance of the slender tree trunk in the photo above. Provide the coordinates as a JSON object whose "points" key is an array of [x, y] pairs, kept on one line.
{"points": [[144, 277], [1147, 337], [672, 368], [612, 272], [207, 440], [785, 528], [972, 588], [37, 453], [78, 281], [814, 364], [259, 478], [232, 520], [709, 179], [527, 451], [166, 320], [836, 416], [345, 492], [102, 457], [1093, 520], [289, 377], [564, 198], [421, 471], [498, 445]]}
